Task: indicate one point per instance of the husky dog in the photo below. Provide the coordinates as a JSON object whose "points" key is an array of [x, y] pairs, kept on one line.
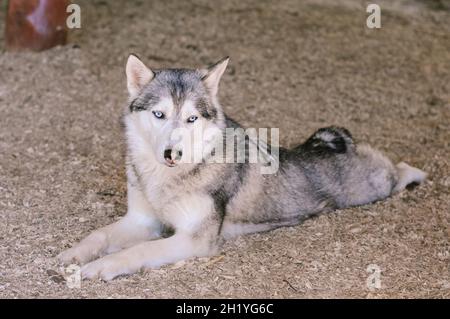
{"points": [[179, 210]]}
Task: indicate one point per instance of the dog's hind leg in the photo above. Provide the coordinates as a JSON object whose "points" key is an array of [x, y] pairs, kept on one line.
{"points": [[370, 176], [353, 174], [408, 175]]}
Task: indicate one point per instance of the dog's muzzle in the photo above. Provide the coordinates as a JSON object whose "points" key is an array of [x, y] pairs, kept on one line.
{"points": [[172, 157]]}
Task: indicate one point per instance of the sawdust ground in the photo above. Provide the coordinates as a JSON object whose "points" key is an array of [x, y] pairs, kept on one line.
{"points": [[294, 65]]}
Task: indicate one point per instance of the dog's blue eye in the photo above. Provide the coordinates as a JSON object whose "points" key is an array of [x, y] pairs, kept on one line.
{"points": [[192, 119], [158, 114]]}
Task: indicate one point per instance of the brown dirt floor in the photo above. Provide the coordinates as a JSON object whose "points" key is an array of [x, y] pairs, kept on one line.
{"points": [[297, 65]]}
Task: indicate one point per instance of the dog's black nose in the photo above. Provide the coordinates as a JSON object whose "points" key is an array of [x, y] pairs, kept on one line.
{"points": [[168, 154], [171, 156]]}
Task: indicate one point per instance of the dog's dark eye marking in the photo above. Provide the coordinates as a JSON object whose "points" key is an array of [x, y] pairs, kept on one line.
{"points": [[144, 102], [205, 109], [158, 114], [192, 119], [137, 106]]}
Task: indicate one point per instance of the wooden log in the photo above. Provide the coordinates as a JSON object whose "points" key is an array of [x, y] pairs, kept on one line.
{"points": [[36, 24]]}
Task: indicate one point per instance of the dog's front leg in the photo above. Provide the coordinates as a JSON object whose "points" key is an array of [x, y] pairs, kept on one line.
{"points": [[139, 224], [151, 254]]}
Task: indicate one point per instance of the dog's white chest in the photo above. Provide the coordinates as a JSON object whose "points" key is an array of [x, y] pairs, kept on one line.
{"points": [[186, 212]]}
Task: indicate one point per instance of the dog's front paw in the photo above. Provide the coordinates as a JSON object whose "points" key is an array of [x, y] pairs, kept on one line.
{"points": [[106, 268], [88, 249], [76, 255]]}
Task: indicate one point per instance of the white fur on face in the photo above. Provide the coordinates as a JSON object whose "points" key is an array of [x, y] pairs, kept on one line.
{"points": [[174, 131]]}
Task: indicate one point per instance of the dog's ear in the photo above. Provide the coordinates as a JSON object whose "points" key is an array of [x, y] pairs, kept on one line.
{"points": [[138, 75], [211, 75]]}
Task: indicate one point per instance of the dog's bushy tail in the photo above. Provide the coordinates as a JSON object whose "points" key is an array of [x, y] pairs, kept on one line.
{"points": [[329, 140], [408, 175]]}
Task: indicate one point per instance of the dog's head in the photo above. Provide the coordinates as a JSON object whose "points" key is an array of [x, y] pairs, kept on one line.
{"points": [[175, 111]]}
